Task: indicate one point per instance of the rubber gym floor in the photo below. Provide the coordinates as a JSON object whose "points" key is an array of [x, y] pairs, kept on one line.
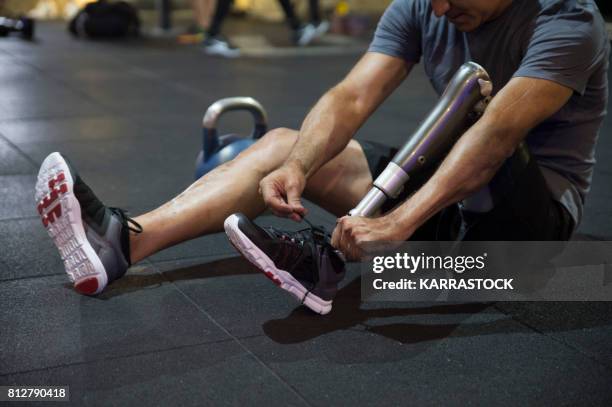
{"points": [[196, 324]]}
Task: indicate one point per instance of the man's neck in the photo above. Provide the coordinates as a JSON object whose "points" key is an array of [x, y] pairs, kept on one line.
{"points": [[503, 6]]}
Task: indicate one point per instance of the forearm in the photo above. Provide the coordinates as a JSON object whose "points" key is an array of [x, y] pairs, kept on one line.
{"points": [[470, 165], [519, 107], [327, 129]]}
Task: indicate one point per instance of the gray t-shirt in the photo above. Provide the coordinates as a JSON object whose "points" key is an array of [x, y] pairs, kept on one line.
{"points": [[564, 41]]}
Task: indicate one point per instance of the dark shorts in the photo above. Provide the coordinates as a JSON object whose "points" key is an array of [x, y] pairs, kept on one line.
{"points": [[527, 212]]}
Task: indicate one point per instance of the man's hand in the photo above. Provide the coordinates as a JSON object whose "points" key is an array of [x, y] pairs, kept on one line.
{"points": [[352, 232], [282, 189]]}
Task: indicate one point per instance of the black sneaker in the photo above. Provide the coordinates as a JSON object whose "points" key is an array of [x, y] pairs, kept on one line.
{"points": [[93, 240], [302, 263], [218, 45]]}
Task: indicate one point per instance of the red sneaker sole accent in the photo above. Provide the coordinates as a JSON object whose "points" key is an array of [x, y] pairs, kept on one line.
{"points": [[89, 286], [271, 277], [50, 198], [268, 274], [59, 178]]}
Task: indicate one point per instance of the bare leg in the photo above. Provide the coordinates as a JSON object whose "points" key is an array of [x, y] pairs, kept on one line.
{"points": [[341, 183], [234, 187], [202, 11]]}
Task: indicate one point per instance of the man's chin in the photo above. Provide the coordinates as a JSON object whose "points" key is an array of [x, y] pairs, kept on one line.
{"points": [[465, 23], [465, 27]]}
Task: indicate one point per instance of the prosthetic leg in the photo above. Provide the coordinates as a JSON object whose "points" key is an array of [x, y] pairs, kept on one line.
{"points": [[462, 103]]}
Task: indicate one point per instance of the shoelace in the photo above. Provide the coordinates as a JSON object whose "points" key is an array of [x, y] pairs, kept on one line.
{"points": [[317, 233], [321, 235], [126, 221]]}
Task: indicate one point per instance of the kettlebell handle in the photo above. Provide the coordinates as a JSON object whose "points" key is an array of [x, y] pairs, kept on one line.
{"points": [[221, 106]]}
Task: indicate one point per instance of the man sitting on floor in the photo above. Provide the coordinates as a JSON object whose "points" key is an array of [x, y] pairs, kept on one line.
{"points": [[548, 61]]}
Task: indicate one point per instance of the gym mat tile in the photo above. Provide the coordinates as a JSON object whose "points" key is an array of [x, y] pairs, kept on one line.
{"points": [[242, 299], [232, 291], [137, 174], [494, 360], [37, 97], [17, 192], [155, 151], [210, 374], [586, 326], [13, 161], [77, 66], [54, 325], [49, 131], [213, 245], [597, 218], [140, 96], [14, 70], [26, 250]]}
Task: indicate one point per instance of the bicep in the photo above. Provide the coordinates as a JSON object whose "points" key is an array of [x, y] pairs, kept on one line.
{"points": [[374, 78], [524, 103]]}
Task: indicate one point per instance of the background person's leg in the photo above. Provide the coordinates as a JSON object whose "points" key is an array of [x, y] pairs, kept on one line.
{"points": [[222, 10], [215, 43], [234, 187], [292, 19], [203, 11], [315, 12], [302, 34]]}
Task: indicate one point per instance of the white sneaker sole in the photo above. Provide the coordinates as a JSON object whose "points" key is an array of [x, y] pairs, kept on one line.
{"points": [[227, 53], [280, 277], [321, 29], [60, 213], [307, 38]]}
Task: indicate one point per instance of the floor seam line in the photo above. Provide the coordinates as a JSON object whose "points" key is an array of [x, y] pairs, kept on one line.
{"points": [[62, 365], [9, 280], [238, 341], [160, 262], [581, 351], [20, 218], [11, 120], [65, 84], [29, 159]]}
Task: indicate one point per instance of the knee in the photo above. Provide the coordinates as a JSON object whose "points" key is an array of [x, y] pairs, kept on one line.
{"points": [[270, 151], [279, 137]]}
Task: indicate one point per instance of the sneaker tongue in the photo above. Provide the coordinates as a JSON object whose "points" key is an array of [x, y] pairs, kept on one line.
{"points": [[323, 241], [320, 236]]}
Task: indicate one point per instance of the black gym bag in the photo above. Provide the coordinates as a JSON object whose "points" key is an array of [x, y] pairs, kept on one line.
{"points": [[104, 19]]}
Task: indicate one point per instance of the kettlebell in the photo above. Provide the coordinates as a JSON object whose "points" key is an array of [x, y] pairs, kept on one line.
{"points": [[218, 149]]}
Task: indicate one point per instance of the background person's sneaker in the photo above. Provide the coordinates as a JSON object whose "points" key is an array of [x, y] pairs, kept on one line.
{"points": [[321, 29], [304, 35], [93, 240], [218, 45], [302, 263]]}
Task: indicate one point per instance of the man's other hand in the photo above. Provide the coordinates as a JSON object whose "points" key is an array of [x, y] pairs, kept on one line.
{"points": [[353, 232], [282, 190]]}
